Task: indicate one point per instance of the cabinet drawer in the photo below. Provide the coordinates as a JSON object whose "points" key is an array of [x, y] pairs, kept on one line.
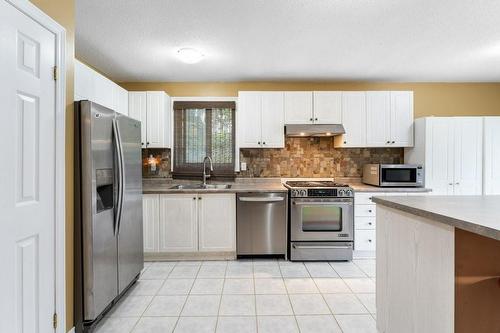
{"points": [[365, 198], [364, 240], [363, 222], [365, 210]]}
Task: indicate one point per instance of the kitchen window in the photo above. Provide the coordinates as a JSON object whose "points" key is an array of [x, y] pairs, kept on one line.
{"points": [[203, 129]]}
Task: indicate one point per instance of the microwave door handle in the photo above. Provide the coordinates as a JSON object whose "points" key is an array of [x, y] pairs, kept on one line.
{"points": [[119, 153]]}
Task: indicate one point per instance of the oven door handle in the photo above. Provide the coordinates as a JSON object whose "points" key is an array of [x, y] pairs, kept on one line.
{"points": [[321, 246], [323, 203]]}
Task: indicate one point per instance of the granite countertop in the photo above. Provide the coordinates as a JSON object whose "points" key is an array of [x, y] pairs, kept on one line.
{"points": [[477, 214], [163, 186]]}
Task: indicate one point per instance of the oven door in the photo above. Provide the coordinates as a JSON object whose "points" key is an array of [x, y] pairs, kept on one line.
{"points": [[322, 219]]}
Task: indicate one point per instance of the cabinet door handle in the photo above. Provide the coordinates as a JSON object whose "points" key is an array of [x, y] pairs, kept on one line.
{"points": [[315, 119], [369, 210], [369, 223], [147, 143], [199, 198], [142, 143], [264, 142], [310, 119], [258, 143], [369, 240], [345, 142], [194, 198], [450, 183], [457, 183], [393, 141], [388, 142]]}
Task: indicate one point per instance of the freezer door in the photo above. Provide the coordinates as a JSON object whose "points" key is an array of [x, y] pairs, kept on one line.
{"points": [[130, 242], [98, 188]]}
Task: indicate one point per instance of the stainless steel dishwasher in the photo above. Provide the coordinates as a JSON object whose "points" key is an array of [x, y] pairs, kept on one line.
{"points": [[261, 223]]}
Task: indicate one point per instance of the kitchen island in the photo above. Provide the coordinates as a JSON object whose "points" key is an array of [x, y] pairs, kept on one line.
{"points": [[438, 264]]}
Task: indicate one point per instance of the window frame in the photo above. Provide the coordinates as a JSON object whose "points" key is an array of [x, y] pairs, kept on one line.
{"points": [[205, 99]]}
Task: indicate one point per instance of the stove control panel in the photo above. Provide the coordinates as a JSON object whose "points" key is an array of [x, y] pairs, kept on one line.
{"points": [[322, 192]]}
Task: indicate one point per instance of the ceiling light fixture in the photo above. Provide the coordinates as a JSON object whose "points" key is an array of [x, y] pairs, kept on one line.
{"points": [[190, 55]]}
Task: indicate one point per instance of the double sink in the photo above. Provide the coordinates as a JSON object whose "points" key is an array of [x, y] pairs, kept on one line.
{"points": [[201, 187]]}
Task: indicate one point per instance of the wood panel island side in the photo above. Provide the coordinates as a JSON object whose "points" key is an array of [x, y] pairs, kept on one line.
{"points": [[438, 264]]}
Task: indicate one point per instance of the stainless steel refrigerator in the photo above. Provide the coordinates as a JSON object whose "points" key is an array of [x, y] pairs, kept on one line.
{"points": [[108, 209]]}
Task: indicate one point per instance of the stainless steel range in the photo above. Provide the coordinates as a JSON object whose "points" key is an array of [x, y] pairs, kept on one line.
{"points": [[321, 220]]}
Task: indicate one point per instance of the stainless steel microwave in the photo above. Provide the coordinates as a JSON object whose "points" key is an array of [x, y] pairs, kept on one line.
{"points": [[394, 175]]}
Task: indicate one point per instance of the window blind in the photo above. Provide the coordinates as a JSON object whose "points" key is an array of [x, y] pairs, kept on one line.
{"points": [[203, 129]]}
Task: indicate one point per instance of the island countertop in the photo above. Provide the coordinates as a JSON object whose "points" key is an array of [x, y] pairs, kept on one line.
{"points": [[477, 214]]}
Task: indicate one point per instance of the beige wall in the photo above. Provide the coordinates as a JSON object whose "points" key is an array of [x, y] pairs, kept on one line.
{"points": [[63, 11], [438, 99]]}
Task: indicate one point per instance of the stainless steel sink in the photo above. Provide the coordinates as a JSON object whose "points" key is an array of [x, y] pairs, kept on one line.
{"points": [[201, 186]]}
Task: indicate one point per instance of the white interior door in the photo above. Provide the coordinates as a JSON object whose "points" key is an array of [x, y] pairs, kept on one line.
{"points": [[27, 177]]}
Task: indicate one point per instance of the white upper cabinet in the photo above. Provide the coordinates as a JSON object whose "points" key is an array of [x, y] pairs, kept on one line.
{"points": [[491, 182], [260, 119], [401, 133], [137, 102], [327, 107], [451, 151], [272, 120], [389, 118], [152, 109], [353, 119], [83, 81], [378, 114], [95, 87], [298, 107], [249, 115]]}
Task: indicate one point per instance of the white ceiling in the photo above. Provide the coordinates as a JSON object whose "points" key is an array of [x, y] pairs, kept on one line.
{"points": [[254, 40]]}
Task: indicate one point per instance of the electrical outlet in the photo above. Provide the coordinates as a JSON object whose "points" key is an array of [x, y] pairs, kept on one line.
{"points": [[243, 166]]}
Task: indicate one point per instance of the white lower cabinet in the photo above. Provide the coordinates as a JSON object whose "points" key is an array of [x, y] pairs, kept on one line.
{"points": [[178, 223], [217, 222], [189, 223], [365, 220], [151, 219]]}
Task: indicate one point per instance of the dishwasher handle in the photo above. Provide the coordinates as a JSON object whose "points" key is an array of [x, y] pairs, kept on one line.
{"points": [[261, 199], [322, 246]]}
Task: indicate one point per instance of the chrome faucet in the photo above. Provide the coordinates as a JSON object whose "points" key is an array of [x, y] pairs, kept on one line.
{"points": [[205, 176]]}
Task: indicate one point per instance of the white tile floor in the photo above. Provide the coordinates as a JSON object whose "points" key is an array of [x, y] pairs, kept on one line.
{"points": [[248, 296]]}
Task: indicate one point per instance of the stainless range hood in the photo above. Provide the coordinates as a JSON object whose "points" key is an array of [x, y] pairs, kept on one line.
{"points": [[308, 130]]}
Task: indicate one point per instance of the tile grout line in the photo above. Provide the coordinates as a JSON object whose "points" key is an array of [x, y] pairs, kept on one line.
{"points": [[156, 293], [323, 296], [185, 301], [220, 299]]}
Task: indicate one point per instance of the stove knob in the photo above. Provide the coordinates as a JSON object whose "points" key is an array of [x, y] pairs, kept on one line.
{"points": [[349, 193], [303, 193], [341, 193], [295, 193]]}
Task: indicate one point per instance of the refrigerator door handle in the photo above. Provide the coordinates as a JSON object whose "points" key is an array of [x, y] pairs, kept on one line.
{"points": [[118, 147]]}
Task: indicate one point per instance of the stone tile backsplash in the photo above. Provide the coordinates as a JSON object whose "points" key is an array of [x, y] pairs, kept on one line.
{"points": [[314, 157], [301, 157]]}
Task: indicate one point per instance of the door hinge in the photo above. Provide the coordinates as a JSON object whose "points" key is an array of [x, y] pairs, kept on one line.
{"points": [[54, 320], [55, 73]]}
